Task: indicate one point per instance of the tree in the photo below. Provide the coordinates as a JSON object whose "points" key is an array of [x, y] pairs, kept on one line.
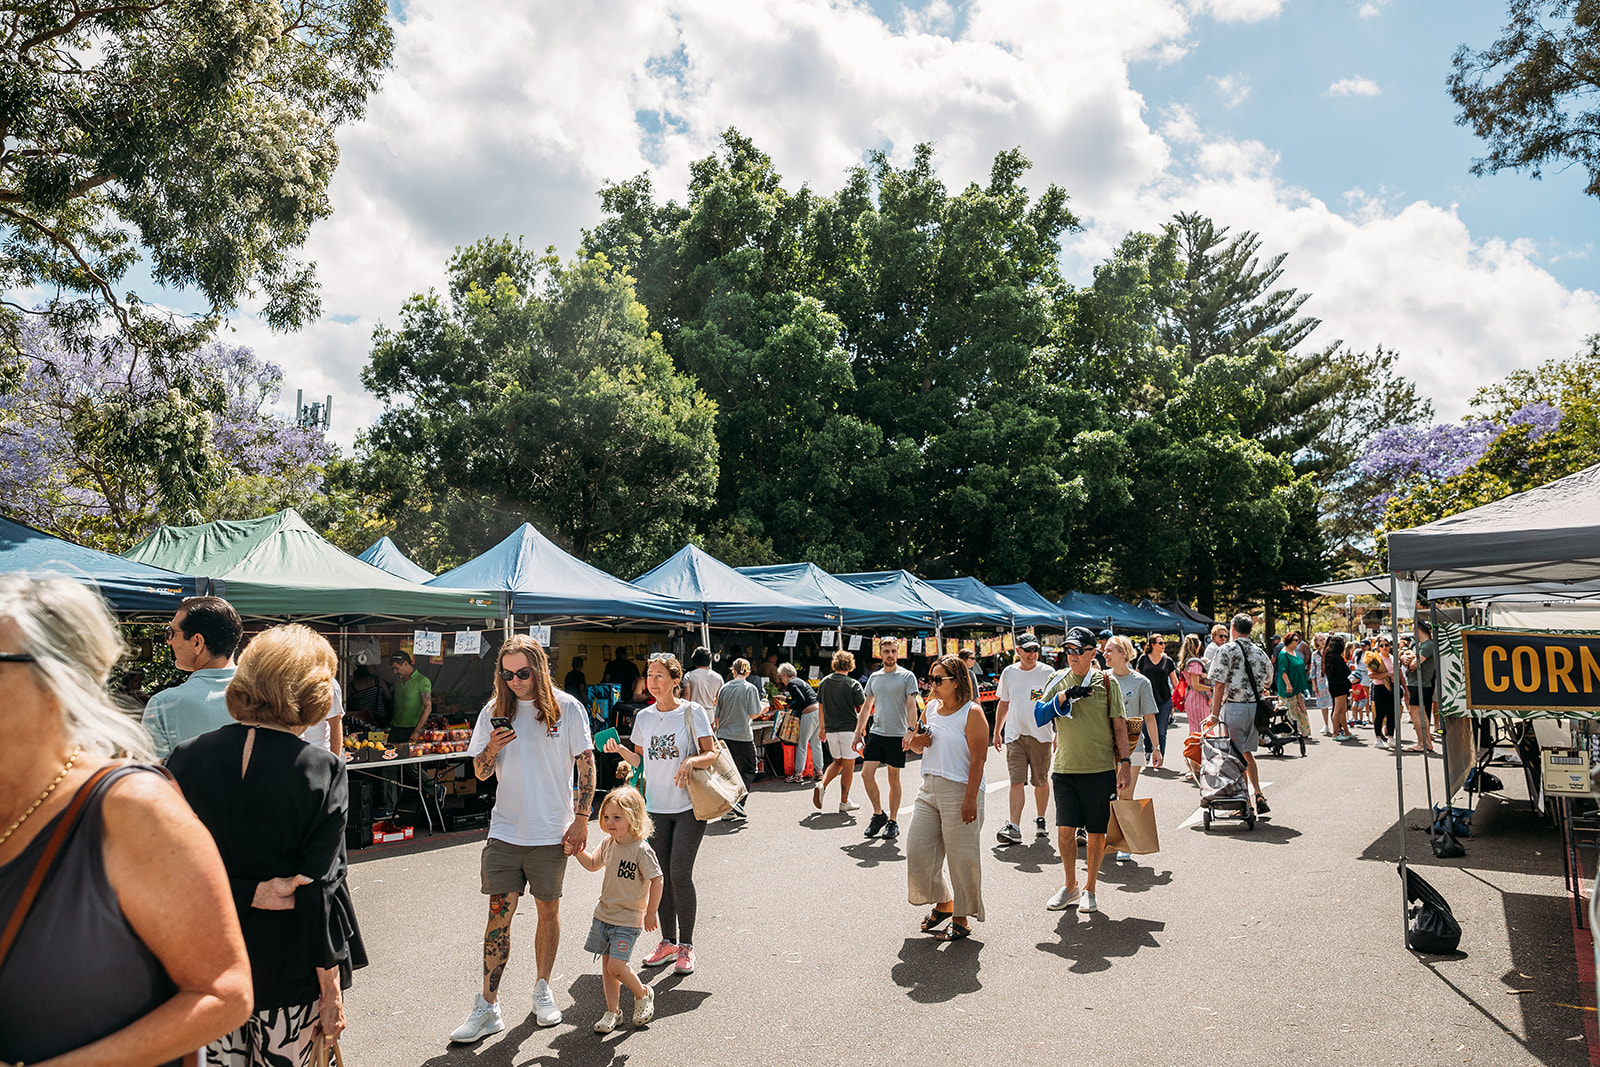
{"points": [[80, 459], [535, 391], [196, 136], [1530, 94]]}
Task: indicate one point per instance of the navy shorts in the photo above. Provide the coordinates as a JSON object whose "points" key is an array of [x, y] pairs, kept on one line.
{"points": [[1084, 800]]}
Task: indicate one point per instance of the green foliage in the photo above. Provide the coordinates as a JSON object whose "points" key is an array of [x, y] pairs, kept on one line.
{"points": [[534, 392], [1530, 95]]}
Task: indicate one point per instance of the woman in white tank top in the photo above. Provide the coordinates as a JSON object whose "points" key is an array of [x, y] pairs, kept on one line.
{"points": [[947, 819]]}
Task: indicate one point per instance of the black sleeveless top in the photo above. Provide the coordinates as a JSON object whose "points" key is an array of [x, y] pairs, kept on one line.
{"points": [[77, 971]]}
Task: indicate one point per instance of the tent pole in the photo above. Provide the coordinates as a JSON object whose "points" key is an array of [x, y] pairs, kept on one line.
{"points": [[1394, 739]]}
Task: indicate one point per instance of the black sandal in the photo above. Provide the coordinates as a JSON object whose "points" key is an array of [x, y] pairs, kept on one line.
{"points": [[955, 933], [935, 919]]}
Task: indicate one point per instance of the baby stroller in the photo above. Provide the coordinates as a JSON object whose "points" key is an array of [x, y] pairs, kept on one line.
{"points": [[1224, 792], [1282, 730]]}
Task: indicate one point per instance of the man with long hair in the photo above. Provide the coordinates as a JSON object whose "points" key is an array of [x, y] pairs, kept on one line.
{"points": [[530, 736]]}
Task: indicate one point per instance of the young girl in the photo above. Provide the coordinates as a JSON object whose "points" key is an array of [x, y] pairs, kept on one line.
{"points": [[629, 896]]}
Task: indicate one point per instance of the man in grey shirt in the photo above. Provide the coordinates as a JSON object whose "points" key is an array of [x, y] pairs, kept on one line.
{"points": [[737, 703], [892, 708], [203, 636]]}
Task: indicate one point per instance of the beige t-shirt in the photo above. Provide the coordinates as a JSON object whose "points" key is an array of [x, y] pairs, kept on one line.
{"points": [[625, 882]]}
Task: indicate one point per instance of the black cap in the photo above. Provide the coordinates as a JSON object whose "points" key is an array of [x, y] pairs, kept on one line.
{"points": [[400, 657], [1081, 636], [1027, 641]]}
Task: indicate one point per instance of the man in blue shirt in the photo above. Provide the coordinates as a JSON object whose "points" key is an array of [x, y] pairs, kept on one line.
{"points": [[203, 637]]}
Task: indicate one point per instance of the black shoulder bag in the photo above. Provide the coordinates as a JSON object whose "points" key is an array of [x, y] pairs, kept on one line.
{"points": [[1263, 707]]}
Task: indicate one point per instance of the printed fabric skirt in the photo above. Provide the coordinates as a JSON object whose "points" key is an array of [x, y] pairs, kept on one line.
{"points": [[272, 1037]]}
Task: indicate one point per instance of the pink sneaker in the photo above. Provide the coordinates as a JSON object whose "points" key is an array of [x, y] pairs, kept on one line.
{"points": [[665, 952], [685, 964]]}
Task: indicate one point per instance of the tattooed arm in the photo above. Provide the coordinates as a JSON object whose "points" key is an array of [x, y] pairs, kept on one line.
{"points": [[577, 835], [483, 762]]}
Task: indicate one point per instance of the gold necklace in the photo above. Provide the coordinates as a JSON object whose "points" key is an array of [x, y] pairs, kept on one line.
{"points": [[51, 788]]}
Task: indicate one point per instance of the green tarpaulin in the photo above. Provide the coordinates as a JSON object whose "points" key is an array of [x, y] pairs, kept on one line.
{"points": [[278, 566]]}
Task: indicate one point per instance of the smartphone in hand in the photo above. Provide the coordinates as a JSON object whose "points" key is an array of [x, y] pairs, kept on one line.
{"points": [[500, 722]]}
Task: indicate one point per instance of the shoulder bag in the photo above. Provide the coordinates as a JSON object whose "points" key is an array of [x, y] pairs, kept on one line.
{"points": [[716, 789], [1263, 707]]}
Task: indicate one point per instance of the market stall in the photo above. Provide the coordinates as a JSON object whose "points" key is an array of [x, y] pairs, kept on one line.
{"points": [[132, 589], [386, 555]]}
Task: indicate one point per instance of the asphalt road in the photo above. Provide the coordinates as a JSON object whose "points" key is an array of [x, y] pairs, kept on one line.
{"points": [[1281, 945]]}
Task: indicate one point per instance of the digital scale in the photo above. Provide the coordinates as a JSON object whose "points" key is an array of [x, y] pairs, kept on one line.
{"points": [[1566, 771]]}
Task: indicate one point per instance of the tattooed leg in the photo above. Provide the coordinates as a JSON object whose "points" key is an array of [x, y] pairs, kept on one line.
{"points": [[497, 943]]}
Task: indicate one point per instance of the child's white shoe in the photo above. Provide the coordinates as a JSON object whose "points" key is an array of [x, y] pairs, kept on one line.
{"points": [[608, 1022], [644, 1008]]}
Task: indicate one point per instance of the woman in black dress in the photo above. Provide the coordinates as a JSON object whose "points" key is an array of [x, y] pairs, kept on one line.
{"points": [[1337, 672], [276, 808]]}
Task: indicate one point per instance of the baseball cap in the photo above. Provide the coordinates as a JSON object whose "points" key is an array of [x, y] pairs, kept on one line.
{"points": [[400, 657], [1028, 641], [1104, 634], [1081, 636]]}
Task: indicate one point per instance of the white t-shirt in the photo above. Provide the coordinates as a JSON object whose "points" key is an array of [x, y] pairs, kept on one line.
{"points": [[533, 801], [702, 686], [319, 734], [1021, 690], [1210, 651], [665, 743]]}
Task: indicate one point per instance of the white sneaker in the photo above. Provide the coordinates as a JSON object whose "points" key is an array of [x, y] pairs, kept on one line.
{"points": [[1383, 744], [848, 805], [1087, 904], [545, 1012], [607, 1022], [1009, 834], [1124, 855], [644, 1008], [1065, 897], [1326, 732], [484, 1020]]}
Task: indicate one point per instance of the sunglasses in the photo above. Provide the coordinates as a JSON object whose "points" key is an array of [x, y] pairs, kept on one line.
{"points": [[1073, 650], [935, 679], [661, 657], [522, 676], [17, 657]]}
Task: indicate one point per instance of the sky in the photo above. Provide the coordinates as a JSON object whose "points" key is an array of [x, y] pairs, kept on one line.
{"points": [[1324, 126]]}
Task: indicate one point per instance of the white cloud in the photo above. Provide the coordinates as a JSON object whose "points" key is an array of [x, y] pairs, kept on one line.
{"points": [[505, 118], [1371, 9], [1235, 88], [1356, 86]]}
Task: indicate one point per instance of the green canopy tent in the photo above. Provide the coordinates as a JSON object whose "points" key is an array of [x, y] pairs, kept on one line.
{"points": [[278, 567]]}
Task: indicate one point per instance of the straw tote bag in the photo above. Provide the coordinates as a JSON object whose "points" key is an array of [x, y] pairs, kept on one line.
{"points": [[714, 790]]}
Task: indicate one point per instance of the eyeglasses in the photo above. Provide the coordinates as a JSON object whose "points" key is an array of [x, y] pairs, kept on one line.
{"points": [[173, 631], [522, 676], [17, 657]]}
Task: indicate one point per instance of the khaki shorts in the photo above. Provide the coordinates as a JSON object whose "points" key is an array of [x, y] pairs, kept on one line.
{"points": [[1028, 754], [507, 868]]}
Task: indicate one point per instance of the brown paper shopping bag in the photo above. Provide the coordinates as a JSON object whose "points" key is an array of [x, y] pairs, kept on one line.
{"points": [[1133, 827]]}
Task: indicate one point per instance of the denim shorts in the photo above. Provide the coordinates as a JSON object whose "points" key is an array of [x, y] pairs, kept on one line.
{"points": [[614, 941]]}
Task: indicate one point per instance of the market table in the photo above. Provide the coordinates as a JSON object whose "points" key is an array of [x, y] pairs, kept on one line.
{"points": [[423, 794]]}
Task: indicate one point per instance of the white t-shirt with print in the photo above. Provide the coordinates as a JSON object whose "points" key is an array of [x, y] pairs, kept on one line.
{"points": [[1021, 690], [661, 736], [533, 799]]}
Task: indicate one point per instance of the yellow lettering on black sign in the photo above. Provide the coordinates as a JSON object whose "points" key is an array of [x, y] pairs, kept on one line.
{"points": [[1518, 671]]}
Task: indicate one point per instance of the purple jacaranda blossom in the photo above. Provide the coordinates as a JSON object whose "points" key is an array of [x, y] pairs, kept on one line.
{"points": [[1539, 417]]}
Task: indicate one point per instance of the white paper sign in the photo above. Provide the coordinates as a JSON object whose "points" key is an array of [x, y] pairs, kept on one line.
{"points": [[1405, 605], [791, 638], [816, 672], [855, 642], [827, 639], [468, 642], [540, 634], [427, 643], [916, 646]]}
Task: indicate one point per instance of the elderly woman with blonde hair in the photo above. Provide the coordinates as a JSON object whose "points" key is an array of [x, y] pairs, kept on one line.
{"points": [[276, 807], [128, 952]]}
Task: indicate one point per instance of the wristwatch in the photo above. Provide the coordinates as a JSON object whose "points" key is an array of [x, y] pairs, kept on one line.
{"points": [[1126, 759]]}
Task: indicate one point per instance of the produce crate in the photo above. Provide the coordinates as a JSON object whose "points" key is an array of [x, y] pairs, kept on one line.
{"points": [[385, 833]]}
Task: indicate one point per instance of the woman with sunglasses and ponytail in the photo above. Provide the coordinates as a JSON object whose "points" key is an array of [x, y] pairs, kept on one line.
{"points": [[531, 737], [671, 738], [947, 819]]}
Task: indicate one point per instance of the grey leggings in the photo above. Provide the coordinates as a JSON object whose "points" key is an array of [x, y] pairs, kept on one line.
{"points": [[676, 841]]}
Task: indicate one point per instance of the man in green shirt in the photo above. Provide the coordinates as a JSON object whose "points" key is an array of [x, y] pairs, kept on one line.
{"points": [[1092, 762], [413, 699]]}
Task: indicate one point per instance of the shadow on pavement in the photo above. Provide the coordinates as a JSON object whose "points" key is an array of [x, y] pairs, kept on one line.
{"points": [[415, 846], [933, 972], [1092, 941], [1507, 835], [872, 851], [718, 828], [1268, 833], [1132, 876], [1028, 859]]}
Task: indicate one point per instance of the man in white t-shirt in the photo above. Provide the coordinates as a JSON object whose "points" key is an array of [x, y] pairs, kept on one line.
{"points": [[1027, 744], [329, 733], [702, 684], [536, 823]]}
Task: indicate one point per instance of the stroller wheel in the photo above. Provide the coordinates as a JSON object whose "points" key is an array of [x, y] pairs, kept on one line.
{"points": [[1205, 819], [1302, 748], [1250, 819]]}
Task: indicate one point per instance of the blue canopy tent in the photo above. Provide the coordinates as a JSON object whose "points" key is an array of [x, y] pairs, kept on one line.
{"points": [[131, 588], [386, 555], [857, 608], [973, 591], [549, 584], [903, 587], [1108, 611], [1175, 623], [727, 598], [1027, 597]]}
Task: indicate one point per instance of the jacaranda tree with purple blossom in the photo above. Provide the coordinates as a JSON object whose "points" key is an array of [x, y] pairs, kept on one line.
{"points": [[94, 448]]}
